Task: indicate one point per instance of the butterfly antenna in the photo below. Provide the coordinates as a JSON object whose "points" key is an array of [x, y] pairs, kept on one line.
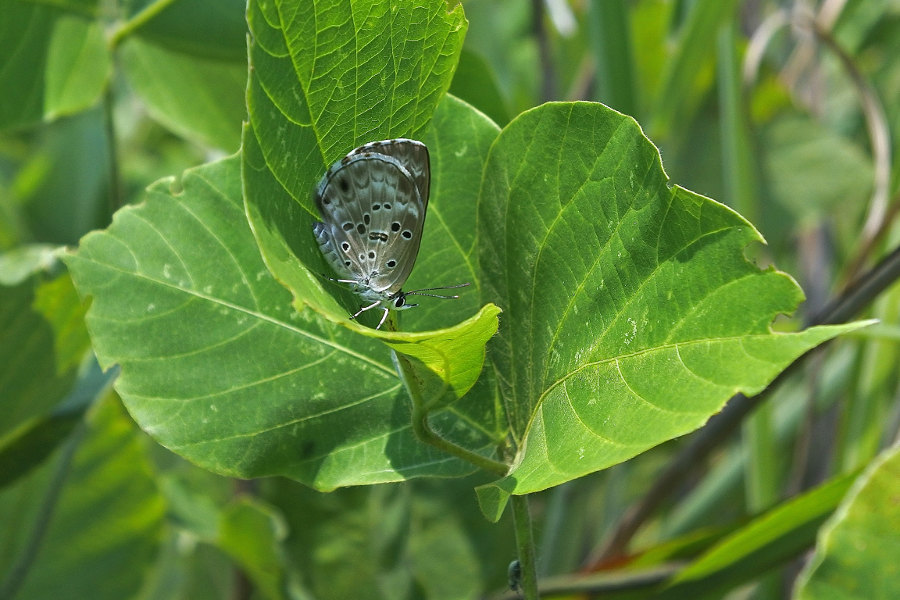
{"points": [[443, 287], [338, 280]]}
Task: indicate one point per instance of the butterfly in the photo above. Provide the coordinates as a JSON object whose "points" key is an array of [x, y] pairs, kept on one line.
{"points": [[372, 203]]}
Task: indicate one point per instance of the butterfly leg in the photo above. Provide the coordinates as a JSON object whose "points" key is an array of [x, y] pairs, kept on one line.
{"points": [[364, 309], [383, 317]]}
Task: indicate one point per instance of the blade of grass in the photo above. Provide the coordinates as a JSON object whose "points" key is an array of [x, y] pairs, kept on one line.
{"points": [[609, 36], [689, 60]]}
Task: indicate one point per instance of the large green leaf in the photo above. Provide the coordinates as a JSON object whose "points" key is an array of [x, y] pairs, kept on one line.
{"points": [[329, 76], [103, 529], [332, 75], [631, 313], [55, 60], [459, 141], [856, 554], [217, 365]]}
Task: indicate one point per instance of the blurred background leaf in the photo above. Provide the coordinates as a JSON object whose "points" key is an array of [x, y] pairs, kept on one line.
{"points": [[853, 554], [55, 60]]}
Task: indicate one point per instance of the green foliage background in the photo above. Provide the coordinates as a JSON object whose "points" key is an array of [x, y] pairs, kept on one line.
{"points": [[612, 309]]}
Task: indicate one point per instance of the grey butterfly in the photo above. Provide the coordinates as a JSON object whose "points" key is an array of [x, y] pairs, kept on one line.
{"points": [[373, 204]]}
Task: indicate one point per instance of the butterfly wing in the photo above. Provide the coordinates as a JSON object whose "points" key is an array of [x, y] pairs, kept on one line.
{"points": [[412, 154], [373, 214], [328, 247]]}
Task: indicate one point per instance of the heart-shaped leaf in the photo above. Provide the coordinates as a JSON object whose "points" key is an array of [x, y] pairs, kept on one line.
{"points": [[217, 365], [327, 77], [631, 313]]}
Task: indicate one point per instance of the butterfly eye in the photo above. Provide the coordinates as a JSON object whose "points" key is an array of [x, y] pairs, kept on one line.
{"points": [[400, 301]]}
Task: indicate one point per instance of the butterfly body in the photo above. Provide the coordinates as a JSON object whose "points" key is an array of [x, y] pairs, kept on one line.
{"points": [[373, 204]]}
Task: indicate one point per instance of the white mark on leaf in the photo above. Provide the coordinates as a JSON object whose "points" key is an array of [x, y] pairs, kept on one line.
{"points": [[630, 335]]}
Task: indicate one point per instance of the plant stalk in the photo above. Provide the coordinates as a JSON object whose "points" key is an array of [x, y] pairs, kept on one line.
{"points": [[525, 547], [423, 430], [149, 12]]}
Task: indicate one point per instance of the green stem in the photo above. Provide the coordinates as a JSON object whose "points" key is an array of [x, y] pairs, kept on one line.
{"points": [[426, 434], [138, 21], [423, 430], [112, 148], [25, 560], [525, 546]]}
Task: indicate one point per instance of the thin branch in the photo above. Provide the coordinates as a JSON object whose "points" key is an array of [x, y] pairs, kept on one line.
{"points": [[859, 295], [867, 246]]}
